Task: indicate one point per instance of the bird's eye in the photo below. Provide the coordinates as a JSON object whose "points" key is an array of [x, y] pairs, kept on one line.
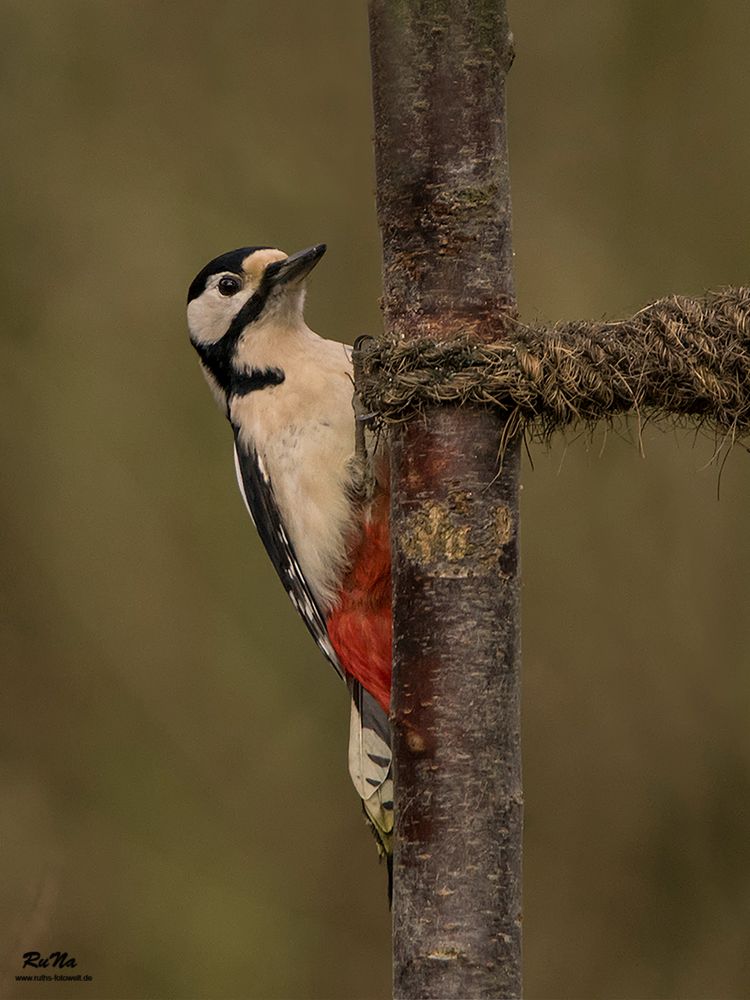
{"points": [[228, 286]]}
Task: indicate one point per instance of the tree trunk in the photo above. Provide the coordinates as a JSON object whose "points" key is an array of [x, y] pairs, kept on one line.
{"points": [[443, 193]]}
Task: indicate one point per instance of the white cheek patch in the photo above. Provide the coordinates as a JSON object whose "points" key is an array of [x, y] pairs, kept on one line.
{"points": [[211, 314]]}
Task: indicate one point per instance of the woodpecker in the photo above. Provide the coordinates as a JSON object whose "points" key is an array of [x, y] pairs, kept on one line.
{"points": [[318, 502]]}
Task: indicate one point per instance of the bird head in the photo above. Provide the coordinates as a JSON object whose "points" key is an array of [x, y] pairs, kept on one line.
{"points": [[247, 286]]}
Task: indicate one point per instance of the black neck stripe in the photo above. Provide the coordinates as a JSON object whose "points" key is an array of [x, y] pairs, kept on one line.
{"points": [[256, 378], [248, 313], [219, 356]]}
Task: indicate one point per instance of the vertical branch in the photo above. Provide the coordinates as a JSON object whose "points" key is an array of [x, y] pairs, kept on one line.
{"points": [[439, 71]]}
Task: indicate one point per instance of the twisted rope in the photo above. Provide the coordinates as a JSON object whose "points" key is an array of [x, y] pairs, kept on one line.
{"points": [[676, 358]]}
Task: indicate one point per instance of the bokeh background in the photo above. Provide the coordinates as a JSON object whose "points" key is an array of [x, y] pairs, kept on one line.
{"points": [[175, 809]]}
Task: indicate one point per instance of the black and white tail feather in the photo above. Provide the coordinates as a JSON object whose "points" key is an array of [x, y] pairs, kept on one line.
{"points": [[370, 768]]}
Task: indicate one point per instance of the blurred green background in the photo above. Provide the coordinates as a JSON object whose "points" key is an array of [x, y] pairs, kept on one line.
{"points": [[175, 807]]}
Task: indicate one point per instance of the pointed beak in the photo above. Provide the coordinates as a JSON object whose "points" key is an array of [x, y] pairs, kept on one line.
{"points": [[294, 268]]}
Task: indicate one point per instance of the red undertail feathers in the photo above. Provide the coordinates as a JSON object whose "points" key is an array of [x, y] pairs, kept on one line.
{"points": [[360, 626]]}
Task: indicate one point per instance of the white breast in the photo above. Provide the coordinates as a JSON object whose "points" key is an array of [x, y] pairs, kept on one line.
{"points": [[303, 430]]}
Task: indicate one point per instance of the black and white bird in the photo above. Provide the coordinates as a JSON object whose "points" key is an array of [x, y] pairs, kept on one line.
{"points": [[321, 515]]}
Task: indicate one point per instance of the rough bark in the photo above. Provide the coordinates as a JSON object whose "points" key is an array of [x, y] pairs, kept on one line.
{"points": [[439, 71]]}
